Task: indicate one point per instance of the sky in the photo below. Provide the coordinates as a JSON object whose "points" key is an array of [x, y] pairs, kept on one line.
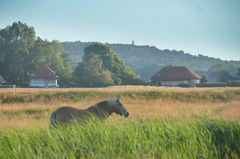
{"points": [[207, 27]]}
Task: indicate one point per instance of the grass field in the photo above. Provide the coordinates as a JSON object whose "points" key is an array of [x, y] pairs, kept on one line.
{"points": [[163, 123]]}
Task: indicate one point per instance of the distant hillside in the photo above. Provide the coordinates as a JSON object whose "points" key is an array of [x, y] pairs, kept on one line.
{"points": [[147, 60], [231, 67]]}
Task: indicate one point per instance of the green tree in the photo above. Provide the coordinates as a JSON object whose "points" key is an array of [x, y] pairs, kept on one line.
{"points": [[91, 73], [225, 76], [238, 72], [204, 79], [21, 52], [52, 54], [16, 57], [113, 63]]}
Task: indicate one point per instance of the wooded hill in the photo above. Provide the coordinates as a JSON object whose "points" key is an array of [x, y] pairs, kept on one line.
{"points": [[147, 60], [21, 51]]}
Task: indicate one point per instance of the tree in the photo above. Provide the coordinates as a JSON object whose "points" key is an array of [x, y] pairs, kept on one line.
{"points": [[16, 57], [224, 76], [21, 52], [238, 72], [52, 54], [204, 79], [91, 73], [113, 63]]}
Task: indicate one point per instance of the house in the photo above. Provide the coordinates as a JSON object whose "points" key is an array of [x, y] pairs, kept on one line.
{"points": [[176, 75], [2, 80], [43, 76]]}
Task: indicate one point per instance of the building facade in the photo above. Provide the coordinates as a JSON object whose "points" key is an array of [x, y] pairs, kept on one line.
{"points": [[43, 76]]}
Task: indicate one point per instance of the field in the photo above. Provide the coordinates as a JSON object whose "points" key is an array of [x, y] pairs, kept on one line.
{"points": [[163, 123]]}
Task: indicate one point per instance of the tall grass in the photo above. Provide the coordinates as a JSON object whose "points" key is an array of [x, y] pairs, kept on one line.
{"points": [[163, 123], [76, 96], [128, 139]]}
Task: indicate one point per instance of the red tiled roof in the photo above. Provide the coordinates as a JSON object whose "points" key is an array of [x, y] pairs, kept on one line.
{"points": [[175, 73], [43, 72]]}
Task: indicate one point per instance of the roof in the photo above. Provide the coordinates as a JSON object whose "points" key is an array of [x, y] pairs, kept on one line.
{"points": [[175, 73], [43, 72], [1, 79]]}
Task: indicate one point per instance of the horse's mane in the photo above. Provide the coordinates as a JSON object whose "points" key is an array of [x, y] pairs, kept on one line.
{"points": [[102, 103], [100, 109], [98, 105]]}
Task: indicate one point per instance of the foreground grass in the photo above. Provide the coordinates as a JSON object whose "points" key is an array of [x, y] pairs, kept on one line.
{"points": [[163, 123], [135, 139]]}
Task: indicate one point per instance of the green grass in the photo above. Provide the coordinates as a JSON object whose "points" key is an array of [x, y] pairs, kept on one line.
{"points": [[130, 138], [77, 96], [162, 138]]}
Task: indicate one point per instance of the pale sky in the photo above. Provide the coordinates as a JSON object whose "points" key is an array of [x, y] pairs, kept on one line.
{"points": [[208, 27]]}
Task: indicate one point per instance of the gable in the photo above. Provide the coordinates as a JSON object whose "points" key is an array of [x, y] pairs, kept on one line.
{"points": [[43, 72]]}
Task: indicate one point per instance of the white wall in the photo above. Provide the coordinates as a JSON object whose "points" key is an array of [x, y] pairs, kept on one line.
{"points": [[176, 83], [43, 83]]}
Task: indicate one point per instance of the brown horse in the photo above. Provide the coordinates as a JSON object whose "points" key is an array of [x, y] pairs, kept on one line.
{"points": [[101, 110]]}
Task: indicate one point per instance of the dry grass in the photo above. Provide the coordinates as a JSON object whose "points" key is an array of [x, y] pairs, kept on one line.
{"points": [[37, 114], [117, 89]]}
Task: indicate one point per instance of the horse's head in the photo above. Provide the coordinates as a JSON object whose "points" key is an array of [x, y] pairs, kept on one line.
{"points": [[117, 107]]}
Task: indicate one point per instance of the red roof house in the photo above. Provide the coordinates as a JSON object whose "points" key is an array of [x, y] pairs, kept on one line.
{"points": [[176, 75], [43, 76]]}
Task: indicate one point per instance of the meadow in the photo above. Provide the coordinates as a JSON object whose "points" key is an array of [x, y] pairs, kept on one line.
{"points": [[163, 123]]}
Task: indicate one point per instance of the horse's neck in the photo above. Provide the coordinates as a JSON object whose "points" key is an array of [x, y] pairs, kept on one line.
{"points": [[92, 109], [98, 111]]}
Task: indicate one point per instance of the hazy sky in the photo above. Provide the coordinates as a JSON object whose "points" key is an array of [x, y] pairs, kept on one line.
{"points": [[208, 27]]}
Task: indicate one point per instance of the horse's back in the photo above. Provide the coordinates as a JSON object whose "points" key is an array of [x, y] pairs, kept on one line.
{"points": [[66, 114]]}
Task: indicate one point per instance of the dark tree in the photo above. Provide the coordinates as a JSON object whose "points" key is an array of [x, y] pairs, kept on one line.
{"points": [[225, 76], [112, 62], [238, 72], [204, 79], [91, 73], [21, 52], [16, 57], [52, 54], [103, 65]]}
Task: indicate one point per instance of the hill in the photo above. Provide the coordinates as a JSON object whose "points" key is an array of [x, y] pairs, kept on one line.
{"points": [[147, 60]]}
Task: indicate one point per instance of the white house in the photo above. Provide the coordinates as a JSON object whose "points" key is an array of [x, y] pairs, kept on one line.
{"points": [[2, 80], [43, 76], [176, 75]]}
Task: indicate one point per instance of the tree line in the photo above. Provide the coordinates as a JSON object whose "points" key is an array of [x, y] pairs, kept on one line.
{"points": [[147, 60], [21, 51]]}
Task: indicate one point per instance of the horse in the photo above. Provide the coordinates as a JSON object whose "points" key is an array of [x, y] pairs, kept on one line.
{"points": [[101, 110]]}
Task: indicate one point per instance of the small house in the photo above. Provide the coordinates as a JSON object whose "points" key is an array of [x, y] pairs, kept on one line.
{"points": [[43, 76], [2, 80], [176, 75]]}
